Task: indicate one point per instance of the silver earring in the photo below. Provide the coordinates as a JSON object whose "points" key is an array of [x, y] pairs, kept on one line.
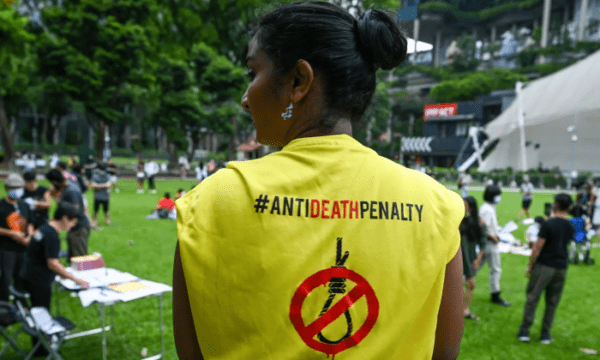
{"points": [[288, 112]]}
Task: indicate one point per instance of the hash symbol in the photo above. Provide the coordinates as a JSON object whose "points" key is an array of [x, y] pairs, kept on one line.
{"points": [[261, 203]]}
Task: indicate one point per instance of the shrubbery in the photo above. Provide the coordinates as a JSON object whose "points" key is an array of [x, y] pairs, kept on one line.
{"points": [[545, 179]]}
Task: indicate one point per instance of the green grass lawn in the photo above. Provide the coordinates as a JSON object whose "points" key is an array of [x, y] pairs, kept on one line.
{"points": [[145, 248]]}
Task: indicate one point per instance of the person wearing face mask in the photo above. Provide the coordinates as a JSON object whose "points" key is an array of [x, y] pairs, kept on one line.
{"points": [[66, 191], [487, 212], [15, 228]]}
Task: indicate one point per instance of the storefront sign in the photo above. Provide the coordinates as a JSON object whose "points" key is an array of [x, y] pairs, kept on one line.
{"points": [[439, 110]]}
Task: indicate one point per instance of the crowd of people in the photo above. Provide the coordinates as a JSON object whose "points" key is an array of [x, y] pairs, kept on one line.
{"points": [[285, 225], [549, 238]]}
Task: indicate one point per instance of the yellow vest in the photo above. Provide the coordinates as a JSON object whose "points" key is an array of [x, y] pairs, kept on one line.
{"points": [[323, 248]]}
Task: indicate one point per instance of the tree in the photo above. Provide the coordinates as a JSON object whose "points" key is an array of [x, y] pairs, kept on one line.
{"points": [[471, 85], [93, 49], [17, 61]]}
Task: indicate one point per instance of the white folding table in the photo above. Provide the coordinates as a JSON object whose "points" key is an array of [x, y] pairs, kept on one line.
{"points": [[99, 293]]}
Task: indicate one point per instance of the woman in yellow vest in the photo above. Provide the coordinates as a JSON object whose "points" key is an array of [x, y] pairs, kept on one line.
{"points": [[323, 248]]}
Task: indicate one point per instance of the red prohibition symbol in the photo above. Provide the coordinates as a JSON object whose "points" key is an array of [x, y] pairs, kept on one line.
{"points": [[308, 332]]}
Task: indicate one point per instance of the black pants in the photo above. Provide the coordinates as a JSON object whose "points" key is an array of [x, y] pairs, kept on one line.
{"points": [[11, 263], [151, 185], [97, 204], [40, 294], [545, 279]]}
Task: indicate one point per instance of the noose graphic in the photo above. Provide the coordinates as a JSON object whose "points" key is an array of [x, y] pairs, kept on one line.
{"points": [[337, 286]]}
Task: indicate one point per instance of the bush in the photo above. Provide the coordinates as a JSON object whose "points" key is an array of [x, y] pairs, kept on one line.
{"points": [[474, 84], [544, 69], [526, 58], [435, 6], [586, 46], [550, 50]]}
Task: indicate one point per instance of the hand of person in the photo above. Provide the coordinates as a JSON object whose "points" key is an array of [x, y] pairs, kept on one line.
{"points": [[528, 271], [471, 283], [83, 284], [476, 264], [20, 237], [30, 202], [494, 238]]}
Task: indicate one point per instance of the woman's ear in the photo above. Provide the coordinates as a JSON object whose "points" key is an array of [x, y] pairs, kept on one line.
{"points": [[303, 78]]}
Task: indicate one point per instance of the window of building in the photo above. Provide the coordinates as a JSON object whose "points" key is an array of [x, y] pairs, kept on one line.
{"points": [[461, 129], [443, 130]]}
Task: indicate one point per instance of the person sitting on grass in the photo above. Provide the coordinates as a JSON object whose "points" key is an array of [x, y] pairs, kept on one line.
{"points": [[165, 209], [547, 268]]}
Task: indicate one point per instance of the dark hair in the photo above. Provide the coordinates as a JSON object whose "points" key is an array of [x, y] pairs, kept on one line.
{"points": [[66, 209], [343, 51], [470, 224], [76, 167], [540, 220], [167, 195], [180, 190], [102, 166], [473, 212], [61, 165], [29, 176], [490, 192], [563, 201], [55, 175]]}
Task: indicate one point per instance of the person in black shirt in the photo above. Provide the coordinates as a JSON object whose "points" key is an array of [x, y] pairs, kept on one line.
{"points": [[547, 267], [76, 171], [65, 191], [89, 167], [38, 199], [42, 260], [14, 233]]}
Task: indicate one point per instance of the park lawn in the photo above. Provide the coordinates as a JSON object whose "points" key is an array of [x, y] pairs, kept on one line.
{"points": [[150, 256]]}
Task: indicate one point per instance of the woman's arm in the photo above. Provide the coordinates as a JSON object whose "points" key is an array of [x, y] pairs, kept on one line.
{"points": [[450, 326], [184, 330]]}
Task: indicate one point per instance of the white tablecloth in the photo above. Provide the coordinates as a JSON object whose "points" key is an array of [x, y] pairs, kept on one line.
{"points": [[100, 279]]}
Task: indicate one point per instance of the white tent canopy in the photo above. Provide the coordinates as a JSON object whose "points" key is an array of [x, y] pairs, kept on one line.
{"points": [[568, 98]]}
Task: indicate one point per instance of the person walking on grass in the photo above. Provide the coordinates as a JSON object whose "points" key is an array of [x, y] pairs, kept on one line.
{"points": [[547, 268], [487, 212], [101, 185], [471, 233], [151, 169], [140, 176], [527, 191]]}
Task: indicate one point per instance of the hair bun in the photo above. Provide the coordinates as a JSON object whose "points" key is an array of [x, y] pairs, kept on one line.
{"points": [[380, 39]]}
